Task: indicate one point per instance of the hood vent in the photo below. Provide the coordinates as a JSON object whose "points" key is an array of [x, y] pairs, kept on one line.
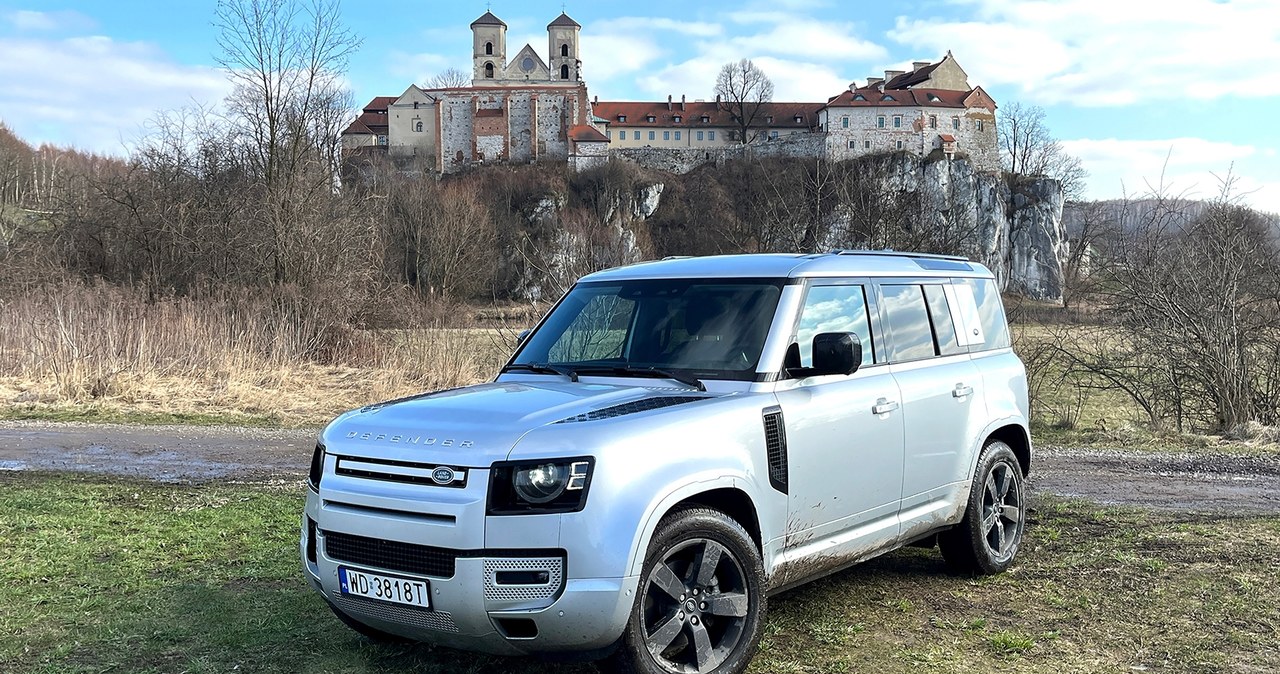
{"points": [[643, 405]]}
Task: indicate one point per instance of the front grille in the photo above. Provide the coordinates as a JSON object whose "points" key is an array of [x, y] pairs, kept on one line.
{"points": [[402, 471], [422, 560], [643, 405], [406, 615]]}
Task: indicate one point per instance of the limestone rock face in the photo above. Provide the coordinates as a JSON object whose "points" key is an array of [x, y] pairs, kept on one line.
{"points": [[1016, 231]]}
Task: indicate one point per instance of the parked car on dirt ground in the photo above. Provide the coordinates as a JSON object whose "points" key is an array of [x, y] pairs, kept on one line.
{"points": [[672, 444]]}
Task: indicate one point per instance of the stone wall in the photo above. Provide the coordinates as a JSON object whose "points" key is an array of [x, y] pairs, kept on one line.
{"points": [[684, 160]]}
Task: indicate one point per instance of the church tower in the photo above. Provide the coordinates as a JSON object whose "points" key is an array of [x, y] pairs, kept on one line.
{"points": [[489, 50], [562, 48]]}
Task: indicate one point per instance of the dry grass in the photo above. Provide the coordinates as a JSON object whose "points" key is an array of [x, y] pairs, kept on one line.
{"points": [[104, 352]]}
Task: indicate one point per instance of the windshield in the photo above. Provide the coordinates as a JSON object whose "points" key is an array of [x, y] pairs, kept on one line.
{"points": [[706, 328]]}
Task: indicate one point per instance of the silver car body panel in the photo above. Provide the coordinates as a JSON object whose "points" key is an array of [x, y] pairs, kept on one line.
{"points": [[865, 476]]}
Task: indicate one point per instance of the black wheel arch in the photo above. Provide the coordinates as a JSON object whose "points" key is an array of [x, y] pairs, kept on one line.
{"points": [[1016, 437]]}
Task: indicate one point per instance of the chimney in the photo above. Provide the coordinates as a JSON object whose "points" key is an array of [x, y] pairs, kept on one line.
{"points": [[916, 65], [890, 74], [595, 100], [853, 86], [668, 101], [717, 99], [682, 102], [874, 82]]}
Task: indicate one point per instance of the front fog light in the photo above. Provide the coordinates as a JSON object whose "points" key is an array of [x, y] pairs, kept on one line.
{"points": [[559, 486]]}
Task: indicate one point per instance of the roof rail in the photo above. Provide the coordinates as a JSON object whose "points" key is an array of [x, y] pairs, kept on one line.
{"points": [[893, 253]]}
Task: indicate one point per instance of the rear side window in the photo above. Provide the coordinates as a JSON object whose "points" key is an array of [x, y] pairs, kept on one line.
{"points": [[944, 328], [910, 333], [994, 329]]}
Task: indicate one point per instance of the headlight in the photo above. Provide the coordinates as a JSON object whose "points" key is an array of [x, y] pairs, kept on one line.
{"points": [[317, 468], [529, 487]]}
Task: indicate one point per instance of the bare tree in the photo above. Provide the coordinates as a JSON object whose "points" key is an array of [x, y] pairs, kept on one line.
{"points": [[743, 90], [450, 78], [1028, 149], [1193, 305], [286, 58]]}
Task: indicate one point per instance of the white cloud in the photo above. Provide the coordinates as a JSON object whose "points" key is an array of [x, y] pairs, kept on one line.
{"points": [[812, 39], [93, 92], [31, 21], [644, 24], [420, 68], [1108, 53], [1189, 167]]}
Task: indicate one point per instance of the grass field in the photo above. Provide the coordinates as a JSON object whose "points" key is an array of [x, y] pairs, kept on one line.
{"points": [[117, 576]]}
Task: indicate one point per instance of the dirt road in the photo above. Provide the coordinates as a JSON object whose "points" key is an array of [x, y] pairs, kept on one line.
{"points": [[1201, 482]]}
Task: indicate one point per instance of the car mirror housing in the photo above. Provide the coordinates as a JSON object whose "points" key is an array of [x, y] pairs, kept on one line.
{"points": [[836, 353]]}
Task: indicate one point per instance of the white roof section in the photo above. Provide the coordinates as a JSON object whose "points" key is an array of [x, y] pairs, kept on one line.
{"points": [[794, 265]]}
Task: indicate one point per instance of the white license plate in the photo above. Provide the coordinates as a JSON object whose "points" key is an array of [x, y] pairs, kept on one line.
{"points": [[410, 591]]}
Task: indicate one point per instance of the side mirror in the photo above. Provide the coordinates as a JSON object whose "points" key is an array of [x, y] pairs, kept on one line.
{"points": [[524, 334], [836, 353]]}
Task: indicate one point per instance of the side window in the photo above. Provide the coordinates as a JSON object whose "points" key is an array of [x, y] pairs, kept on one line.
{"points": [[840, 308], [944, 328], [995, 331], [596, 333], [910, 335]]}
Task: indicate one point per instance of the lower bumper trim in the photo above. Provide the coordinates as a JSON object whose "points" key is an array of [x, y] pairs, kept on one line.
{"points": [[358, 607]]}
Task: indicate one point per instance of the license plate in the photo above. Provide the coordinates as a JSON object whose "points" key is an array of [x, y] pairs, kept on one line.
{"points": [[410, 591]]}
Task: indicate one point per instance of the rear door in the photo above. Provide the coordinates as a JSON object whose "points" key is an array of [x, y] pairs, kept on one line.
{"points": [[942, 398]]}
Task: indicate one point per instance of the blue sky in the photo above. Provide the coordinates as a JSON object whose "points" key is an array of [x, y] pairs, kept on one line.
{"points": [[1135, 88]]}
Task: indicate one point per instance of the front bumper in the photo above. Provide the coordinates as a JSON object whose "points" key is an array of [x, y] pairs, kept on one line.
{"points": [[468, 611]]}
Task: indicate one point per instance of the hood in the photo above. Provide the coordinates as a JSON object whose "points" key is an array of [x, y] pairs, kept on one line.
{"points": [[476, 425]]}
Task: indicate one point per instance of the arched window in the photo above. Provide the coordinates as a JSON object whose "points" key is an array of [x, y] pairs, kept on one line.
{"points": [[564, 50], [488, 48], [564, 72], [417, 126], [488, 71]]}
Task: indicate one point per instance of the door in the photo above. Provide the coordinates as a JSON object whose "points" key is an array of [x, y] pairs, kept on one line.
{"points": [[844, 437], [942, 403]]}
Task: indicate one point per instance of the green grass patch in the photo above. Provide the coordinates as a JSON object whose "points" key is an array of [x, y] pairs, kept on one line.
{"points": [[106, 575]]}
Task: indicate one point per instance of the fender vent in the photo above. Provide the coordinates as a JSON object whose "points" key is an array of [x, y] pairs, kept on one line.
{"points": [[775, 443], [643, 405]]}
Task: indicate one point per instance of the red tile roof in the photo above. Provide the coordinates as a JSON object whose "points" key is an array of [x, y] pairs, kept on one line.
{"points": [[638, 112], [947, 138], [380, 103], [907, 79], [929, 98], [585, 133]]}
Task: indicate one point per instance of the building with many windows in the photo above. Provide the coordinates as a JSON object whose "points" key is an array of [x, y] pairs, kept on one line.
{"points": [[527, 109], [519, 110]]}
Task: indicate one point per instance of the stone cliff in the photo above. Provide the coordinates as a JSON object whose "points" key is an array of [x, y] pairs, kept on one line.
{"points": [[1015, 229]]}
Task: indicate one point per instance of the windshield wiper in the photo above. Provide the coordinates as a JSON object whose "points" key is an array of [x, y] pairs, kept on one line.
{"points": [[543, 368], [685, 379]]}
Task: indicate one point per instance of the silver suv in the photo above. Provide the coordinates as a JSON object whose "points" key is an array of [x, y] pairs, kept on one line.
{"points": [[672, 444]]}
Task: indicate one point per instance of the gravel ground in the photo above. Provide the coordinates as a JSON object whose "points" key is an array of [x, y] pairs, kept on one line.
{"points": [[1199, 482]]}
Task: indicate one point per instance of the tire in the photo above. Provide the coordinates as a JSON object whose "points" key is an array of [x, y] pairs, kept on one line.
{"points": [[671, 629], [986, 541], [371, 633]]}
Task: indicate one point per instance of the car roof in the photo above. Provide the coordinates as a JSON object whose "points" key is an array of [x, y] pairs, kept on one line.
{"points": [[796, 265]]}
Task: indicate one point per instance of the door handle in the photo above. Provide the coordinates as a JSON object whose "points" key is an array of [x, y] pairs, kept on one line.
{"points": [[962, 391], [884, 406]]}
